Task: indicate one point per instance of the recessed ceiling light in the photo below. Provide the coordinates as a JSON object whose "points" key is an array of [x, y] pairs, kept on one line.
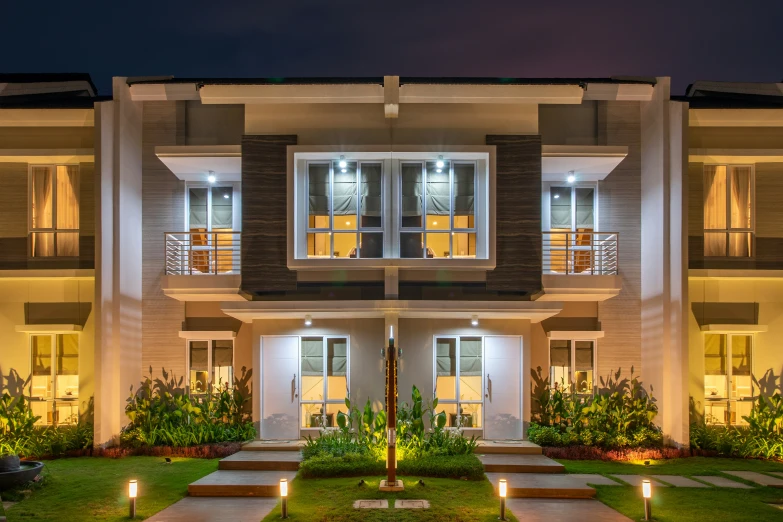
{"points": [[225, 196], [434, 222], [343, 163], [571, 178], [438, 170], [211, 177], [308, 320], [439, 163], [474, 320], [347, 222]]}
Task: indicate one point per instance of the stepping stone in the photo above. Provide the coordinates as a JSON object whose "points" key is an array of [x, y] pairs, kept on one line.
{"points": [[411, 504], [240, 484], [758, 478], [262, 461], [371, 504], [273, 445], [542, 485], [508, 447], [200, 509], [678, 481], [636, 480], [722, 482], [776, 473], [594, 479], [496, 463], [563, 510]]}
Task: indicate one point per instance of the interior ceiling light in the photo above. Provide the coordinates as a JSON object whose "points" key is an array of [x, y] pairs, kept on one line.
{"points": [[343, 164], [211, 177], [439, 163], [571, 177], [225, 196], [557, 196], [343, 170]]}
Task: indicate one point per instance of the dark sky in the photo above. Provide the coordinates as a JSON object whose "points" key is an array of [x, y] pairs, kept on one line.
{"points": [[687, 40]]}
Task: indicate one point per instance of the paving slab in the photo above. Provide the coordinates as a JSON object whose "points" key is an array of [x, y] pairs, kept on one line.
{"points": [[563, 510], [678, 481], [371, 504], [273, 445], [777, 473], [262, 461], [496, 463], [636, 480], [411, 504], [508, 447], [594, 479], [722, 482], [542, 485], [223, 483], [758, 478], [199, 509]]}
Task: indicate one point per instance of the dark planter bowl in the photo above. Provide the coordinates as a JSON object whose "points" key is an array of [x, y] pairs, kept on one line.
{"points": [[26, 473], [9, 463]]}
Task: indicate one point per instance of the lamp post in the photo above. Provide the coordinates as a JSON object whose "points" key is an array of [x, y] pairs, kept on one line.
{"points": [[502, 488], [133, 491], [647, 494], [284, 498], [391, 483]]}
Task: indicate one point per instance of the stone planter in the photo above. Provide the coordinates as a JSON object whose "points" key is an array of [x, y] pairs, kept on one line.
{"points": [[9, 463]]}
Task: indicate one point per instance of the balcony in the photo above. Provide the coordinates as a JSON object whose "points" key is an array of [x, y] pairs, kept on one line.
{"points": [[202, 266], [580, 266]]}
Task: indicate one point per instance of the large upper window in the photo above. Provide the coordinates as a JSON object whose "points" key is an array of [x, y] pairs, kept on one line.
{"points": [[211, 245], [54, 385], [728, 210], [728, 377], [572, 362], [54, 210]]}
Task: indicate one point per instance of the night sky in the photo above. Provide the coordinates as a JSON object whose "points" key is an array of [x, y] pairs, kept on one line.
{"points": [[739, 40]]}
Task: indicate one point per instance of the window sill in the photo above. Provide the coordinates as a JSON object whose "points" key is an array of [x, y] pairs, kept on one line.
{"points": [[421, 264]]}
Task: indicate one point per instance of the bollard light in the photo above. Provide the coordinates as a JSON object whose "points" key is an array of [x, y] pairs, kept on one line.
{"points": [[647, 494], [133, 491], [502, 489], [284, 498]]}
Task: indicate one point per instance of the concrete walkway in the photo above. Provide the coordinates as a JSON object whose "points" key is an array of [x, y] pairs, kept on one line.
{"points": [[210, 509], [563, 510]]}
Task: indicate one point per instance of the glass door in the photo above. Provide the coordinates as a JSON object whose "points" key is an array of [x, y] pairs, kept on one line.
{"points": [[572, 221], [54, 386], [728, 381], [324, 381], [211, 223], [459, 380]]}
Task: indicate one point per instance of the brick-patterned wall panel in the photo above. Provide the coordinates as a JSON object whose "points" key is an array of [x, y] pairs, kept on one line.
{"points": [[265, 214], [13, 216], [163, 199], [518, 214], [619, 207]]}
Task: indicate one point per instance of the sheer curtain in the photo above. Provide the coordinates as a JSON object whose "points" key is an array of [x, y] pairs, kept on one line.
{"points": [[67, 210], [740, 242], [715, 185], [41, 211]]}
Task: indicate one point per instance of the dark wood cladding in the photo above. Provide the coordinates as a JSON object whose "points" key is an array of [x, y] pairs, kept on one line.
{"points": [[265, 214], [518, 214]]}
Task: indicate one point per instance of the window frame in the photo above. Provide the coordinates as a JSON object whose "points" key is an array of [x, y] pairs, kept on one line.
{"points": [[236, 210], [55, 229], [729, 229], [210, 354], [457, 401], [572, 361], [730, 398], [55, 397], [326, 401], [547, 207]]}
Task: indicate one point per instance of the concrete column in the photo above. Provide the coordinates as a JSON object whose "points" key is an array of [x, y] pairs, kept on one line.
{"points": [[664, 259]]}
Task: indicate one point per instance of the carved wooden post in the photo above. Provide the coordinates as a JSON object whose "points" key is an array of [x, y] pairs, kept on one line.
{"points": [[391, 484]]}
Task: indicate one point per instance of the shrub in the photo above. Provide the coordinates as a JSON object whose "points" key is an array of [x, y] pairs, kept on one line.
{"points": [[454, 466], [347, 465]]}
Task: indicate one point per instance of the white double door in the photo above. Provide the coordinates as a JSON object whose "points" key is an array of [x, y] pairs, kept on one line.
{"points": [[503, 387]]}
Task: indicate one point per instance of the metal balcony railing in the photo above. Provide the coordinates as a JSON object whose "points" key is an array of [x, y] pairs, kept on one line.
{"points": [[583, 252], [195, 253]]}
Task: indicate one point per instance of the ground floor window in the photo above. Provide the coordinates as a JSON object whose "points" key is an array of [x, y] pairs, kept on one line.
{"points": [[211, 363], [54, 385], [572, 361], [324, 379], [728, 381], [459, 384]]}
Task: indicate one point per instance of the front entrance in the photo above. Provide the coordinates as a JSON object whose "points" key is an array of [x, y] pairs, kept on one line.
{"points": [[503, 388], [280, 387]]}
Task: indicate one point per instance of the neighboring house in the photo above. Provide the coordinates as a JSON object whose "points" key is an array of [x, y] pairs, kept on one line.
{"points": [[47, 241], [735, 243]]}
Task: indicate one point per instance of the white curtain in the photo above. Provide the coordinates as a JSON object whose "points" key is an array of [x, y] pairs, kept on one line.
{"points": [[715, 182], [42, 206], [67, 210]]}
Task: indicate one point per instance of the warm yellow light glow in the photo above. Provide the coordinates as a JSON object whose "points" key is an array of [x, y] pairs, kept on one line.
{"points": [[502, 488], [283, 487], [646, 488], [133, 489]]}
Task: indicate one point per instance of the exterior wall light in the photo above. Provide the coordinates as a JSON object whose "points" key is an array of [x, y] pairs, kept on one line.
{"points": [[211, 178], [343, 164], [133, 491], [502, 490], [308, 320], [474, 321], [571, 177], [284, 498], [440, 163], [647, 494]]}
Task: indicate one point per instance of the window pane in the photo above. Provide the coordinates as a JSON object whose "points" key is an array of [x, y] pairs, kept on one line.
{"points": [[42, 199], [41, 384], [67, 197], [470, 415], [318, 192], [345, 196], [199, 366], [583, 366], [560, 208], [714, 197], [67, 243], [312, 369], [67, 366], [198, 208], [371, 245], [312, 415], [345, 245], [741, 366], [411, 245], [446, 369], [412, 202], [464, 194], [438, 196], [740, 197], [740, 244], [470, 372], [584, 208], [319, 245], [42, 244], [559, 363], [336, 369], [715, 372], [438, 245], [464, 244], [371, 194], [223, 363], [714, 243], [222, 208]]}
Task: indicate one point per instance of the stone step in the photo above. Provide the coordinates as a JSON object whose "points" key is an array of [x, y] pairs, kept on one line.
{"points": [[224, 483], [516, 447], [262, 461], [273, 445], [542, 485], [495, 463]]}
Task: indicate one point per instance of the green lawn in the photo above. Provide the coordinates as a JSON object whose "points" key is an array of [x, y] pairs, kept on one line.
{"points": [[89, 488], [331, 500]]}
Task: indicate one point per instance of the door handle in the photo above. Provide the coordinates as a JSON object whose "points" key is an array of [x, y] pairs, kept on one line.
{"points": [[488, 395], [294, 395]]}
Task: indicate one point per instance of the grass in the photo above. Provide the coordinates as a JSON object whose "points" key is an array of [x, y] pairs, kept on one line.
{"points": [[332, 500], [88, 488]]}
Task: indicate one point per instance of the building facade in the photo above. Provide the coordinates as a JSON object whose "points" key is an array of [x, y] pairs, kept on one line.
{"points": [[503, 232]]}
